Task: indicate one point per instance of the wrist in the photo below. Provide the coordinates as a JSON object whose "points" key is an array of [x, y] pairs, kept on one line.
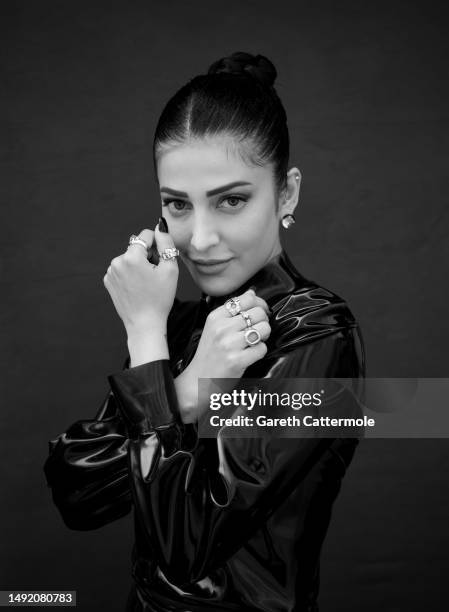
{"points": [[154, 327], [192, 404], [146, 346], [187, 398]]}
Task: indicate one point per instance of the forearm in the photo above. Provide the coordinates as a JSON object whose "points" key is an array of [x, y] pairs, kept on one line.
{"points": [[192, 403], [147, 345], [187, 394], [214, 485], [144, 347], [87, 469]]}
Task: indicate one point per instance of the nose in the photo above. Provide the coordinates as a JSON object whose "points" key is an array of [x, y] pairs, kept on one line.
{"points": [[204, 232]]}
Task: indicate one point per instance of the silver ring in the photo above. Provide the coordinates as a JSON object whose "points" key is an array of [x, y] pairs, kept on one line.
{"points": [[169, 253], [233, 306], [248, 333], [247, 318], [136, 240]]}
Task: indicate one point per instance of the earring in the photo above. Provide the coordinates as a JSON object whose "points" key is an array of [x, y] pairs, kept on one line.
{"points": [[287, 221]]}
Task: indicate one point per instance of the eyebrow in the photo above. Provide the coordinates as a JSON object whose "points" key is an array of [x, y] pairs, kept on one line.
{"points": [[211, 192]]}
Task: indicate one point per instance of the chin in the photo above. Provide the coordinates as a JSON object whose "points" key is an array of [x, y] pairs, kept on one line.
{"points": [[215, 286]]}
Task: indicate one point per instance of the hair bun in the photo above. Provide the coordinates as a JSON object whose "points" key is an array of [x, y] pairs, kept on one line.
{"points": [[240, 62]]}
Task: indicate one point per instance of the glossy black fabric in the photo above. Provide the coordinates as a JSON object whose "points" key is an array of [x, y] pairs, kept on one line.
{"points": [[220, 524]]}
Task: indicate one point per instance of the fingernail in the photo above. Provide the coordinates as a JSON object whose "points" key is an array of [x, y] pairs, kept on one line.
{"points": [[163, 227]]}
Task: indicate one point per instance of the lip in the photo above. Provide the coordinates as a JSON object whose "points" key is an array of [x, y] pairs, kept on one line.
{"points": [[209, 262], [210, 266]]}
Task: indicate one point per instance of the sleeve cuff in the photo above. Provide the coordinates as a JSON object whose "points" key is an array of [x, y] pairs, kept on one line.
{"points": [[146, 396]]}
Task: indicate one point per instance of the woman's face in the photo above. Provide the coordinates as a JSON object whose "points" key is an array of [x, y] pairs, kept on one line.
{"points": [[218, 209]]}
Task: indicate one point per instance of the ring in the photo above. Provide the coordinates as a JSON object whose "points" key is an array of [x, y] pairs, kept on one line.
{"points": [[169, 253], [247, 318], [233, 306], [136, 240], [248, 333]]}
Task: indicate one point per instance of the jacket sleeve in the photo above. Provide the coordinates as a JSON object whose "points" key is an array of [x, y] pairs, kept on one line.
{"points": [[87, 469], [87, 465], [198, 504]]}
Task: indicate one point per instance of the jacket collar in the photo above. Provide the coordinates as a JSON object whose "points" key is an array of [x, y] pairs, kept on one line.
{"points": [[276, 278]]}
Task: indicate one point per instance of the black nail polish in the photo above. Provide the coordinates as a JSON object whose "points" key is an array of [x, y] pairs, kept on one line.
{"points": [[153, 255], [163, 227]]}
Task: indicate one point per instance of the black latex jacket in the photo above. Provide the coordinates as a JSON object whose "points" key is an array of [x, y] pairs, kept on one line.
{"points": [[220, 524]]}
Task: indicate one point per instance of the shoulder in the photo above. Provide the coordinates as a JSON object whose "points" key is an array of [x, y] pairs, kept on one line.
{"points": [[309, 313], [313, 333]]}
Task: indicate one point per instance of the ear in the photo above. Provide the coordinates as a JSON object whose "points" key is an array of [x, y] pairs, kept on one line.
{"points": [[289, 197]]}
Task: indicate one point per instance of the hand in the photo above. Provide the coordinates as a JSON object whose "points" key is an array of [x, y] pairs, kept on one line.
{"points": [[222, 351], [142, 292]]}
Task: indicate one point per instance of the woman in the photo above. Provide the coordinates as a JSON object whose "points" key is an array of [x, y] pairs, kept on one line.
{"points": [[221, 523]]}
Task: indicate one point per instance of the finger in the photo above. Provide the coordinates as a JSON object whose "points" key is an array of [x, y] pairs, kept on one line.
{"points": [[106, 277], [147, 236], [249, 299], [262, 304], [253, 354], [264, 330], [257, 301], [164, 241], [254, 315]]}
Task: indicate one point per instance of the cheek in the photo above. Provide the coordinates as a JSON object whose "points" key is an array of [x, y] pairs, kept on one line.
{"points": [[258, 222], [179, 234]]}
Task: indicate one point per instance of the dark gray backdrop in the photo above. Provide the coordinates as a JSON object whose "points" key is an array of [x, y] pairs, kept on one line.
{"points": [[365, 88]]}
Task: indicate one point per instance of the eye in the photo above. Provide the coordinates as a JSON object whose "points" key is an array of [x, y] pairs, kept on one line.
{"points": [[176, 206], [234, 201]]}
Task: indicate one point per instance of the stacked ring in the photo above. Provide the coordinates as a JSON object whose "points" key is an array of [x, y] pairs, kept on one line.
{"points": [[233, 306], [250, 331], [247, 318], [169, 253], [136, 240]]}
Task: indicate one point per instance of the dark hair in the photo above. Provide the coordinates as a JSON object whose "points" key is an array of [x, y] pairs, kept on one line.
{"points": [[236, 97]]}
